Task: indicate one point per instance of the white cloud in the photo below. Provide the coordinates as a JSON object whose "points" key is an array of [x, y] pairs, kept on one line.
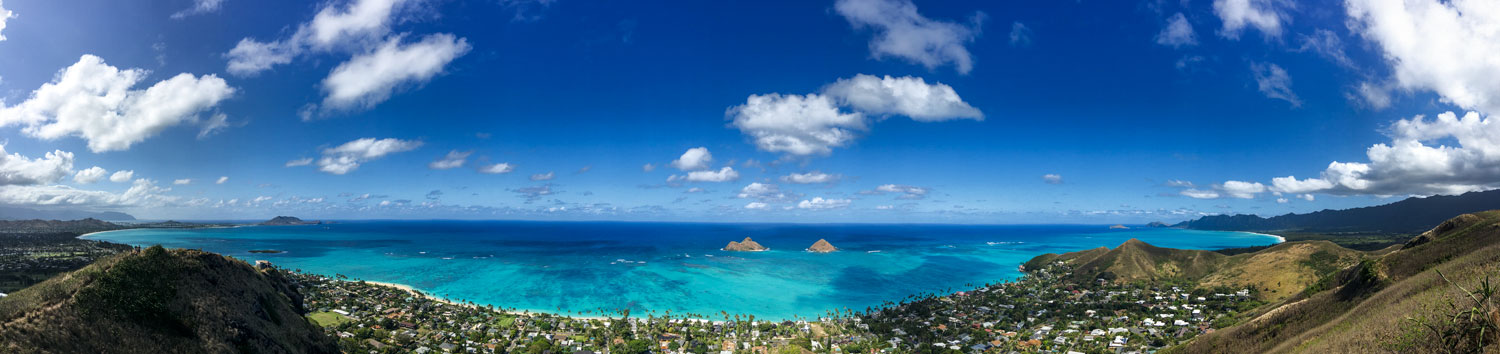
{"points": [[199, 7], [454, 159], [499, 168], [543, 176], [725, 174], [810, 178], [814, 124], [213, 125], [648, 168], [1291, 185], [94, 100], [820, 203], [222, 179], [1307, 197], [357, 22], [300, 162], [371, 78], [142, 192], [764, 192], [260, 199], [1448, 47], [907, 192], [796, 124], [1327, 45], [122, 176], [347, 157], [90, 175], [1200, 194], [693, 159], [1179, 183], [885, 207], [756, 206], [5, 15], [907, 96], [1052, 178], [1178, 33], [1281, 200], [1241, 189], [1020, 35], [1261, 14], [1274, 82], [899, 31], [16, 169], [183, 181]]}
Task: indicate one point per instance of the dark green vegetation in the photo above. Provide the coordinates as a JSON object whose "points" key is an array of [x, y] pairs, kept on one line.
{"points": [[1366, 229], [34, 250], [161, 301], [1433, 294]]}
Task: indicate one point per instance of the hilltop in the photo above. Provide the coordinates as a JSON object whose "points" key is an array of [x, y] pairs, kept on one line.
{"points": [[1385, 302], [288, 220], [1279, 271], [161, 301], [1408, 216], [14, 213]]}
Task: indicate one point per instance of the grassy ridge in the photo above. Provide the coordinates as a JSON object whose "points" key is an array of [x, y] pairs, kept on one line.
{"points": [[161, 301]]}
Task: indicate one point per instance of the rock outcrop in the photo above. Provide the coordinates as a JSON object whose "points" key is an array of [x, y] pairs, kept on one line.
{"points": [[747, 245], [822, 246]]}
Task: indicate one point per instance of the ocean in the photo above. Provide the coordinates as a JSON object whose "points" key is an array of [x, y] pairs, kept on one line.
{"points": [[599, 268]]}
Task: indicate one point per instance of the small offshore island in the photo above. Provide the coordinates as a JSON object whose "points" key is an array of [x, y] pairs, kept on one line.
{"points": [[747, 245]]}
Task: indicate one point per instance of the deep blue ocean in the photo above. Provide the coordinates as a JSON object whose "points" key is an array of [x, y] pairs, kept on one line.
{"points": [[589, 267]]}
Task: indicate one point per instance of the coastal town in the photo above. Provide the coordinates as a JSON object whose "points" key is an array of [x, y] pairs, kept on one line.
{"points": [[1041, 312]]}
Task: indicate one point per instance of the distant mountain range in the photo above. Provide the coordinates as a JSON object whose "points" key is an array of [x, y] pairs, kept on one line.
{"points": [[15, 213], [1409, 216]]}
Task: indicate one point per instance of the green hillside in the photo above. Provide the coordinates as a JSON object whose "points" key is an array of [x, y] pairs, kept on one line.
{"points": [[160, 301], [1394, 302]]}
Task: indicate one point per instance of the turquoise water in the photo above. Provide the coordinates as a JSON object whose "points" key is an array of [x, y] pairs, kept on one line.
{"points": [[591, 268]]}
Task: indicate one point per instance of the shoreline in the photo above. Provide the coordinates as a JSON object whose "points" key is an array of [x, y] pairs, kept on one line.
{"points": [[429, 296], [1279, 239]]}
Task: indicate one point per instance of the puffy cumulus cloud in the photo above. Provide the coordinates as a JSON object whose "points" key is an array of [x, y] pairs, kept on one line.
{"points": [[1415, 162], [1241, 189], [814, 124], [906, 96], [16, 169], [371, 78], [1291, 185], [1274, 82], [122, 176], [818, 203], [300, 162], [1199, 194], [499, 168], [756, 206], [901, 32], [184, 181], [90, 175], [1447, 47], [1052, 178], [94, 100], [1178, 33], [693, 159], [907, 192], [796, 124], [347, 157], [5, 15], [454, 159], [222, 179], [356, 22], [1261, 14], [648, 168], [199, 7], [726, 174], [543, 176], [765, 192], [813, 177]]}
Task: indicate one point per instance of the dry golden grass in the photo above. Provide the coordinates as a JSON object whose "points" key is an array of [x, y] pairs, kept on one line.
{"points": [[1279, 271]]}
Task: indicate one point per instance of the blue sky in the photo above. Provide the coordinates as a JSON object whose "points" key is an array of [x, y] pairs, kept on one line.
{"points": [[895, 110]]}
